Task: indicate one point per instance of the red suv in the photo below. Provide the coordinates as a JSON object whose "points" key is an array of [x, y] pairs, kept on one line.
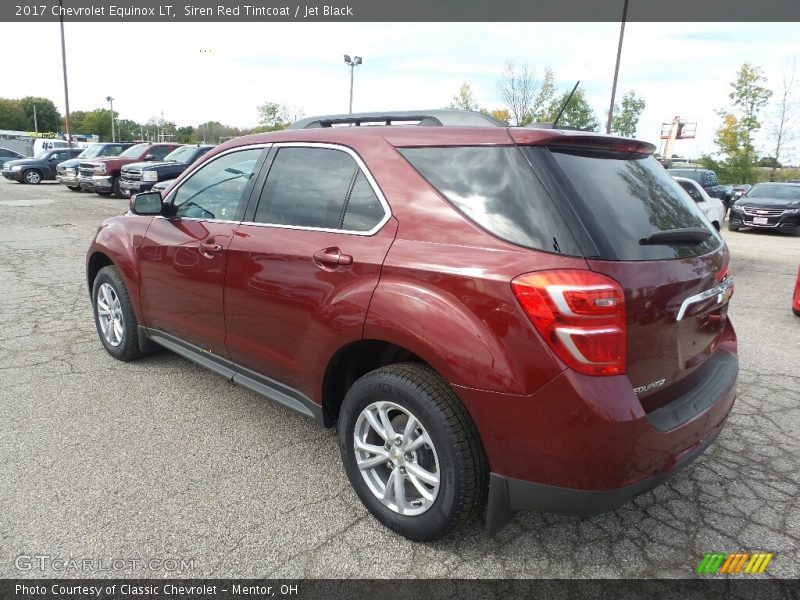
{"points": [[508, 318]]}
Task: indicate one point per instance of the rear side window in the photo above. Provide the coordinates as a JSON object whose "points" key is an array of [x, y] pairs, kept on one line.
{"points": [[625, 198], [495, 187], [160, 152], [320, 188]]}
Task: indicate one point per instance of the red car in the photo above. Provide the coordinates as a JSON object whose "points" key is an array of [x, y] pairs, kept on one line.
{"points": [[501, 318], [102, 175], [796, 299]]}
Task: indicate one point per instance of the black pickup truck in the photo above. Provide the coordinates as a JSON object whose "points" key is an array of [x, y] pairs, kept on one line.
{"points": [[140, 177], [708, 181]]}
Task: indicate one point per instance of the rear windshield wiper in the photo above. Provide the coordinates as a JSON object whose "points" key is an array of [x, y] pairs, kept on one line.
{"points": [[686, 235]]}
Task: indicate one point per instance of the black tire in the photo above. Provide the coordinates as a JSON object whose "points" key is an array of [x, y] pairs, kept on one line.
{"points": [[462, 465], [74, 188], [796, 312], [116, 191], [732, 227], [128, 346], [103, 193], [32, 176]]}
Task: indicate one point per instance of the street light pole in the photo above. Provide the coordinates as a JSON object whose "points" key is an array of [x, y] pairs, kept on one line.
{"points": [[110, 100], [352, 63]]}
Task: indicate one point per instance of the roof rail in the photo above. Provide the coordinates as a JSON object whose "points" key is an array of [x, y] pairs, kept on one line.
{"points": [[435, 118]]}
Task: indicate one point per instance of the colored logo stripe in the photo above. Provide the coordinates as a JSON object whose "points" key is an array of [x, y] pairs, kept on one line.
{"points": [[724, 563]]}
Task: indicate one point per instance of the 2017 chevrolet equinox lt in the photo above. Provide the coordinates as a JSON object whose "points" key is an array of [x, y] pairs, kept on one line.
{"points": [[494, 318]]}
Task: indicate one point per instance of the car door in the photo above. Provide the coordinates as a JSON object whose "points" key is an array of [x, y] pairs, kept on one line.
{"points": [[183, 255], [304, 263], [52, 161]]}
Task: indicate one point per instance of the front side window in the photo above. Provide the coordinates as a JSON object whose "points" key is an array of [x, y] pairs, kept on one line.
{"points": [[215, 191], [319, 188]]}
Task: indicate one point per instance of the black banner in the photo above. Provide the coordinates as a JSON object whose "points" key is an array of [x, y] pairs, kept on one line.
{"points": [[399, 589], [398, 11]]}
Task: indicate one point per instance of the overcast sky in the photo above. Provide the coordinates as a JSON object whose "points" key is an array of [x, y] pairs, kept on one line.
{"points": [[679, 68]]}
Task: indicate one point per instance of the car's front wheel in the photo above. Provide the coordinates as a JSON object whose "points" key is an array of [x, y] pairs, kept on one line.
{"points": [[732, 227], [113, 315], [32, 176], [411, 451]]}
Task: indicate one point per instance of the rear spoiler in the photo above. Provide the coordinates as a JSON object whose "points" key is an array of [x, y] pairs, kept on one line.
{"points": [[562, 138]]}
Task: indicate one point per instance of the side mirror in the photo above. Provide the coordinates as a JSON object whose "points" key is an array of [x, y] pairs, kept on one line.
{"points": [[146, 203], [149, 157]]}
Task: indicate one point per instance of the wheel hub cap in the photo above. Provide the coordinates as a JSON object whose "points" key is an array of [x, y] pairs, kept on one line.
{"points": [[396, 458]]}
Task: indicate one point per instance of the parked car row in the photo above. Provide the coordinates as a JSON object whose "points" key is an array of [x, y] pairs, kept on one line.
{"points": [[118, 168]]}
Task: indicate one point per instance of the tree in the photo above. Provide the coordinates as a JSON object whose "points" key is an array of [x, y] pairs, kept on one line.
{"points": [[501, 114], [735, 136], [786, 112], [186, 135], [273, 116], [464, 100], [47, 116], [626, 119], [577, 114], [522, 93], [128, 130], [12, 116]]}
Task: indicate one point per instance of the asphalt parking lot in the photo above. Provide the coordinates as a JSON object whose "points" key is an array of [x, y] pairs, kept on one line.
{"points": [[163, 460]]}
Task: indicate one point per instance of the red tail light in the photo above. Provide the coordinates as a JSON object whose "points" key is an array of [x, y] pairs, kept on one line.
{"points": [[581, 316]]}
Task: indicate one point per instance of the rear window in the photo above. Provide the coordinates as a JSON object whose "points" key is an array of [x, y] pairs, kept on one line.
{"points": [[627, 197], [495, 187]]}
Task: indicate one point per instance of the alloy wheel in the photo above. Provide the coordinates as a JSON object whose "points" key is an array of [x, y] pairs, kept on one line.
{"points": [[397, 458]]}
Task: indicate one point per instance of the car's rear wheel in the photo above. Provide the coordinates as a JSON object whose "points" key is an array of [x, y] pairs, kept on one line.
{"points": [[113, 315], [74, 188], [411, 451], [32, 176]]}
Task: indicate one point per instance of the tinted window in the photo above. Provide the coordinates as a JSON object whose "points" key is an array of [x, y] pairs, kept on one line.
{"points": [[781, 192], [307, 187], [627, 197], [364, 210], [215, 190], [111, 150], [691, 190], [159, 152], [135, 151], [495, 187]]}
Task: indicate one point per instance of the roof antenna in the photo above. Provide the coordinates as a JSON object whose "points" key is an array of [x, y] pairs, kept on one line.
{"points": [[566, 102]]}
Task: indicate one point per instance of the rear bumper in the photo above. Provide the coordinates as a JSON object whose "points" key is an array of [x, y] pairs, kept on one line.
{"points": [[586, 445], [508, 496]]}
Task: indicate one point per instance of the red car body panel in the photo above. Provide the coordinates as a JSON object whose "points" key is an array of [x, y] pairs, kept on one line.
{"points": [[181, 287], [287, 313]]}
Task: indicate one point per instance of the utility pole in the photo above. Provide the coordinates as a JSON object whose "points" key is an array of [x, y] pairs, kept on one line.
{"points": [[616, 68], [35, 121], [64, 65]]}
